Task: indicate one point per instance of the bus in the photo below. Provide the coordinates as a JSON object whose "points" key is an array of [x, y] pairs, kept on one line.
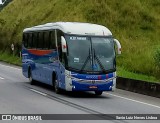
{"points": [[71, 56]]}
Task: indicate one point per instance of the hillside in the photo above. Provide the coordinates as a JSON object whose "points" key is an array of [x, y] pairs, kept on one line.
{"points": [[135, 23]]}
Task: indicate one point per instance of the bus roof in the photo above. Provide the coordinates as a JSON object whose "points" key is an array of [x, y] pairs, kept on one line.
{"points": [[74, 28]]}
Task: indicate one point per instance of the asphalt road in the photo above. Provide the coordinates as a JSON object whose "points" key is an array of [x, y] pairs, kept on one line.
{"points": [[17, 96]]}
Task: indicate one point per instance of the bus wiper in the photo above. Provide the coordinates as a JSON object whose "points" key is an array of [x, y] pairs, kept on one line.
{"points": [[99, 62], [86, 61]]}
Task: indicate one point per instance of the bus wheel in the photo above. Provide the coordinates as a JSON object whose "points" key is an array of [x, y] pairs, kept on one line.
{"points": [[32, 82], [98, 92], [56, 88]]}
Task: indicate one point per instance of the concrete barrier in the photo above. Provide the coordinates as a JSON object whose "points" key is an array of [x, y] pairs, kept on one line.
{"points": [[137, 86]]}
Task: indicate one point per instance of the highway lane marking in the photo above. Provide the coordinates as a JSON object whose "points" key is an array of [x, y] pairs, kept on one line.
{"points": [[1, 78], [134, 100], [38, 92], [10, 67]]}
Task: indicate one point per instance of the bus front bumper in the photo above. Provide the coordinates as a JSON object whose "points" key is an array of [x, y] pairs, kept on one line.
{"points": [[81, 86]]}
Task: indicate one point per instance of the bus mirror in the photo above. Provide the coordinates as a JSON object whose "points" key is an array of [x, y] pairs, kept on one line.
{"points": [[118, 46], [64, 45]]}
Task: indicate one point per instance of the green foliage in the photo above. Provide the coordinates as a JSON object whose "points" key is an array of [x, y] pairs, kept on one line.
{"points": [[157, 57], [122, 72], [12, 59], [135, 23], [157, 61]]}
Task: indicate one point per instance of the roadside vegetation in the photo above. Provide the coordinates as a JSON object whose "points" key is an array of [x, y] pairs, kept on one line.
{"points": [[11, 59], [135, 23]]}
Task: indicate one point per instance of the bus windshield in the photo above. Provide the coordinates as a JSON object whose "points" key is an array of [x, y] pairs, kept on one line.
{"points": [[91, 54]]}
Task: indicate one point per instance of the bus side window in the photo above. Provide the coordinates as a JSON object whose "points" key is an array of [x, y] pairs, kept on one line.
{"points": [[30, 42], [59, 34], [62, 56], [25, 40], [46, 39], [35, 40], [40, 40], [52, 40]]}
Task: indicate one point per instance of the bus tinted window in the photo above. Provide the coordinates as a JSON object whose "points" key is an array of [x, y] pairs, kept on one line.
{"points": [[25, 40], [40, 41], [59, 34], [30, 43], [46, 40], [35, 40], [52, 40]]}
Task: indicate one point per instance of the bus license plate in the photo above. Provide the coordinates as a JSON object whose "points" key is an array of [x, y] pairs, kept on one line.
{"points": [[93, 87]]}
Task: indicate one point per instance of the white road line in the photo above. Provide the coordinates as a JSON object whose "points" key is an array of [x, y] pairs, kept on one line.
{"points": [[10, 67], [134, 100], [38, 92], [1, 78]]}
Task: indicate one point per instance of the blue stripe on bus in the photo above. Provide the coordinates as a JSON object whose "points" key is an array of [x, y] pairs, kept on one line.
{"points": [[92, 77]]}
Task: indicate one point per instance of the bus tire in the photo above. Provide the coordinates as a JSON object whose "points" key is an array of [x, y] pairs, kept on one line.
{"points": [[98, 92], [56, 88], [55, 84], [32, 82]]}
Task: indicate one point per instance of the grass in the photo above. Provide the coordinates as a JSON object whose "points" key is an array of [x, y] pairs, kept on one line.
{"points": [[135, 23], [11, 59], [122, 72]]}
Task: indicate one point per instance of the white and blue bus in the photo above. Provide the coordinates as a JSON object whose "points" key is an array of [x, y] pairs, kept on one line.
{"points": [[70, 56]]}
